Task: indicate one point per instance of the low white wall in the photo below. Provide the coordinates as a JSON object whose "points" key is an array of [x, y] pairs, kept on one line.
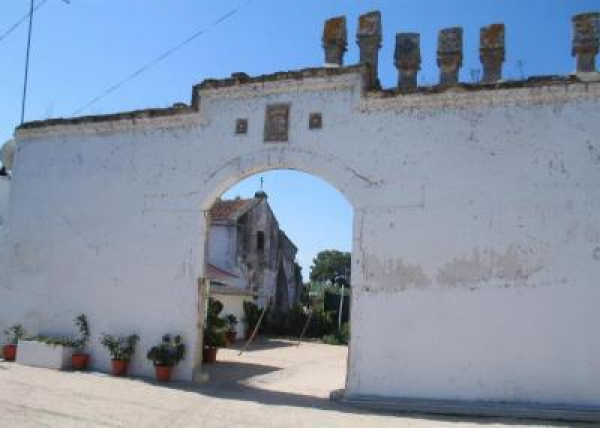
{"points": [[37, 354]]}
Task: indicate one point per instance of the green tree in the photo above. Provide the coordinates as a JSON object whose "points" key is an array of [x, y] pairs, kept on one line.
{"points": [[331, 265], [298, 274]]}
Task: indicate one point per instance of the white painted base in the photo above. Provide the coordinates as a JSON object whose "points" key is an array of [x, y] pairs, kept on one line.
{"points": [[474, 408], [37, 354]]}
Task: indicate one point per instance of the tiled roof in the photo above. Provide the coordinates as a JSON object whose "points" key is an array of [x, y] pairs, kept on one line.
{"points": [[219, 289], [231, 209], [216, 273]]}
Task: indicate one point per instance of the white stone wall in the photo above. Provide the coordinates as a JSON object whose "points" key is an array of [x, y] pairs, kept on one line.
{"points": [[476, 251], [4, 192], [4, 236]]}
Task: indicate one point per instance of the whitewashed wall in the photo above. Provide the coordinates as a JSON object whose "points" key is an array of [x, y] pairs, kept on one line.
{"points": [[4, 236], [476, 252], [4, 193]]}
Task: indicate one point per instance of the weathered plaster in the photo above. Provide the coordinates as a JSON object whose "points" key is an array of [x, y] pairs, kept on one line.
{"points": [[510, 268], [4, 194], [475, 236]]}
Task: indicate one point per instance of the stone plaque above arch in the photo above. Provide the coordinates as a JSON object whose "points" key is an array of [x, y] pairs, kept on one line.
{"points": [[277, 120]]}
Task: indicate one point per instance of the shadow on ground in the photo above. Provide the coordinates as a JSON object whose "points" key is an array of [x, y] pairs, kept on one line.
{"points": [[229, 381], [263, 344]]}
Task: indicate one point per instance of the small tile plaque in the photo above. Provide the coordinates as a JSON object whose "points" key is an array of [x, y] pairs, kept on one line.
{"points": [[241, 126], [277, 121], [315, 121]]}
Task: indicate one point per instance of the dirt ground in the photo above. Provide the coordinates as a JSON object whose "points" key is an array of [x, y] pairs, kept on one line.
{"points": [[275, 384]]}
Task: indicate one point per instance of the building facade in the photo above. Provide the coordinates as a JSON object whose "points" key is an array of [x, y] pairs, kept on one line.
{"points": [[248, 255]]}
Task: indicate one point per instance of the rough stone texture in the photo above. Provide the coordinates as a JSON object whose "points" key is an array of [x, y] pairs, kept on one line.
{"points": [[475, 234], [491, 52], [450, 54], [407, 58], [586, 40], [277, 123], [368, 38], [335, 41]]}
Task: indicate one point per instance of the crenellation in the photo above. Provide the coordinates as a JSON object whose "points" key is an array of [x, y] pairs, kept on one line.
{"points": [[450, 54], [492, 52], [368, 38], [335, 41], [586, 40], [407, 58]]}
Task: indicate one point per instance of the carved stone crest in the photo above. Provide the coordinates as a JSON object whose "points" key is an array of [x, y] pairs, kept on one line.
{"points": [[277, 119]]}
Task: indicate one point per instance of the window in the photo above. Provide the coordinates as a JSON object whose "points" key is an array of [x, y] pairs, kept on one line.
{"points": [[260, 241]]}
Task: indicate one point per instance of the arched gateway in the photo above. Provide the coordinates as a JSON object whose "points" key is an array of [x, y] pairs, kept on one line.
{"points": [[476, 242]]}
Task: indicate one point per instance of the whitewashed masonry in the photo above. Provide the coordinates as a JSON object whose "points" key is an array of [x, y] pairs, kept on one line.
{"points": [[476, 237]]}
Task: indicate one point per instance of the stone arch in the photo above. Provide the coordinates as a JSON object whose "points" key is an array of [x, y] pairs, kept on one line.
{"points": [[323, 165]]}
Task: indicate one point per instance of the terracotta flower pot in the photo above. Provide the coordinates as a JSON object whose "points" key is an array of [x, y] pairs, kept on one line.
{"points": [[80, 361], [119, 367], [209, 355], [163, 373], [231, 336], [9, 352]]}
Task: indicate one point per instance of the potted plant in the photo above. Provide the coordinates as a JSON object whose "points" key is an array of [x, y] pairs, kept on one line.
{"points": [[231, 332], [213, 340], [166, 355], [13, 334], [214, 334], [121, 350], [80, 359]]}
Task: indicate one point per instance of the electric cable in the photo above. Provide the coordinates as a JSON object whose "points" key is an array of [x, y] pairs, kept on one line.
{"points": [[21, 21], [161, 57]]}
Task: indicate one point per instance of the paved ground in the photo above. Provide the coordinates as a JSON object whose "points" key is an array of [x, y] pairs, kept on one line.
{"points": [[276, 384]]}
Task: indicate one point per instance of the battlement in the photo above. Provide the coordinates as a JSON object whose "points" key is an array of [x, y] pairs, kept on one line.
{"points": [[407, 60], [407, 53]]}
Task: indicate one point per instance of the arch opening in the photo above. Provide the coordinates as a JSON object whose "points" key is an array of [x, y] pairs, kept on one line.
{"points": [[263, 230]]}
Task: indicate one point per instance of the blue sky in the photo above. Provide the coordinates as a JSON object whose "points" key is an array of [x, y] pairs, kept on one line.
{"points": [[82, 48], [311, 212]]}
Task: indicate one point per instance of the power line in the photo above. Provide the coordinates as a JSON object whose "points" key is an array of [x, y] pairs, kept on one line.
{"points": [[27, 62], [20, 21], [161, 57]]}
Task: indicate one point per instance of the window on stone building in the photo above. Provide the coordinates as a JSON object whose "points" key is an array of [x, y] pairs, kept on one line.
{"points": [[260, 241]]}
